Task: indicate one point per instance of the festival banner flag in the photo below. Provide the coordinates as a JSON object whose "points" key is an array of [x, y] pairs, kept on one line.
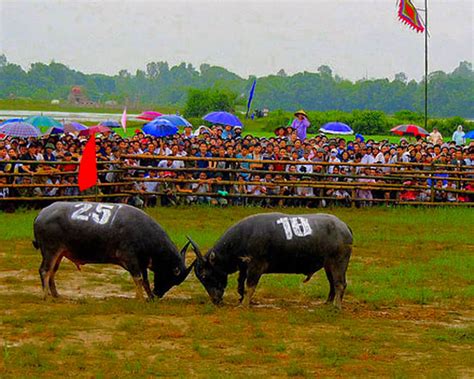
{"points": [[408, 14], [252, 91], [88, 167], [124, 120]]}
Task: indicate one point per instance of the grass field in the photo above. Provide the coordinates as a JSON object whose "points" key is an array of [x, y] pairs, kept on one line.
{"points": [[408, 310]]}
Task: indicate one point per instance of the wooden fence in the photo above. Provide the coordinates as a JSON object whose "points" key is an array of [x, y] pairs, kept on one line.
{"points": [[121, 180]]}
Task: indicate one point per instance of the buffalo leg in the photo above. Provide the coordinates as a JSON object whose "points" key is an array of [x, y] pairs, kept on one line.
{"points": [[340, 286], [332, 290], [43, 271], [338, 270], [134, 269], [52, 283], [46, 271], [241, 283], [253, 276], [146, 284]]}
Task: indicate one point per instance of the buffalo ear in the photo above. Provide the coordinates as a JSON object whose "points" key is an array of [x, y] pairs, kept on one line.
{"points": [[212, 257], [177, 271]]}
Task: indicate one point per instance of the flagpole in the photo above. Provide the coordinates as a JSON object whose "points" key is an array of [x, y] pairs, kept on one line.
{"points": [[426, 64]]}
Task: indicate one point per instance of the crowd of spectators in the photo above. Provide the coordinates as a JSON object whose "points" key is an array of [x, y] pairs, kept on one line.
{"points": [[195, 182]]}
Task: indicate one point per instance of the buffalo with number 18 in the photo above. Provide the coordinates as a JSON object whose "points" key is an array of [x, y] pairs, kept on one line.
{"points": [[277, 243]]}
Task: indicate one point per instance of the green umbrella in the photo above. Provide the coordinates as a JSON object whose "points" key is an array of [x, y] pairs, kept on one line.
{"points": [[45, 121]]}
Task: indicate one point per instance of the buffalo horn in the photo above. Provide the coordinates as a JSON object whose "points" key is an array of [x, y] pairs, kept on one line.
{"points": [[182, 253], [196, 248]]}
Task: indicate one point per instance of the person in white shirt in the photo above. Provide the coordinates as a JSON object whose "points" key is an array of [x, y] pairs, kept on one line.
{"points": [[378, 156], [435, 137], [171, 164], [163, 150], [333, 159], [458, 136], [368, 158]]}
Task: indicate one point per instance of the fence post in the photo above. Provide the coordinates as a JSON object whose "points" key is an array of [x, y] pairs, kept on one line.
{"points": [[432, 192]]}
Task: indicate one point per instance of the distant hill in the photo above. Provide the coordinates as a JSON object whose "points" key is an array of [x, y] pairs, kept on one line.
{"points": [[451, 94]]}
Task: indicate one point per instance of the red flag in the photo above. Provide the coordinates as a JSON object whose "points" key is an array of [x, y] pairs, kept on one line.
{"points": [[408, 14], [88, 166]]}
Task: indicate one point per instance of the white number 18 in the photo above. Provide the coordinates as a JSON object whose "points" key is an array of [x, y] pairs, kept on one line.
{"points": [[298, 226]]}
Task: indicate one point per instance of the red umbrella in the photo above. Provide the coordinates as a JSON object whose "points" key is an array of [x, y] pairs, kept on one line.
{"points": [[95, 129], [149, 115], [409, 129]]}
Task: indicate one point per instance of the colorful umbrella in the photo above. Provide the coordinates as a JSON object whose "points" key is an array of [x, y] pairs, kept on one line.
{"points": [[223, 118], [110, 124], [160, 128], [95, 129], [19, 129], [409, 129], [336, 128], [73, 127], [11, 120], [45, 121], [174, 119], [149, 115]]}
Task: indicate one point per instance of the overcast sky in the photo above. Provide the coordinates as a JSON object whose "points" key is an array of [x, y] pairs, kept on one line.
{"points": [[355, 37]]}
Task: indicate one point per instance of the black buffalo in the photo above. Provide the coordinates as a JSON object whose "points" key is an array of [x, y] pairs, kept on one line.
{"points": [[108, 233], [277, 243]]}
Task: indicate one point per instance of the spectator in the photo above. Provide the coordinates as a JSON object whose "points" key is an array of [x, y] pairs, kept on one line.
{"points": [[435, 137], [202, 187], [458, 136], [301, 124]]}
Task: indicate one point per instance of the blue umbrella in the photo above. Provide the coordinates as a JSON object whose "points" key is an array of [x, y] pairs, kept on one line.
{"points": [[223, 118], [469, 135], [19, 129], [11, 120], [336, 128], [54, 130], [160, 128], [174, 119], [110, 124]]}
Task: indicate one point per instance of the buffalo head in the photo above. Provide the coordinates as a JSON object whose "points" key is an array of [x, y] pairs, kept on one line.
{"points": [[174, 274], [212, 278]]}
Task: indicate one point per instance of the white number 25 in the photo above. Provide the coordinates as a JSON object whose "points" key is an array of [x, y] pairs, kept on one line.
{"points": [[298, 226], [100, 215]]}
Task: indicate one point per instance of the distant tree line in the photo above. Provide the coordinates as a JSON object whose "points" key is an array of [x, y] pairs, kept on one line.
{"points": [[365, 121], [451, 94]]}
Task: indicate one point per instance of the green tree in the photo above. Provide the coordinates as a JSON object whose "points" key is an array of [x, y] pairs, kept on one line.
{"points": [[200, 102], [369, 122]]}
